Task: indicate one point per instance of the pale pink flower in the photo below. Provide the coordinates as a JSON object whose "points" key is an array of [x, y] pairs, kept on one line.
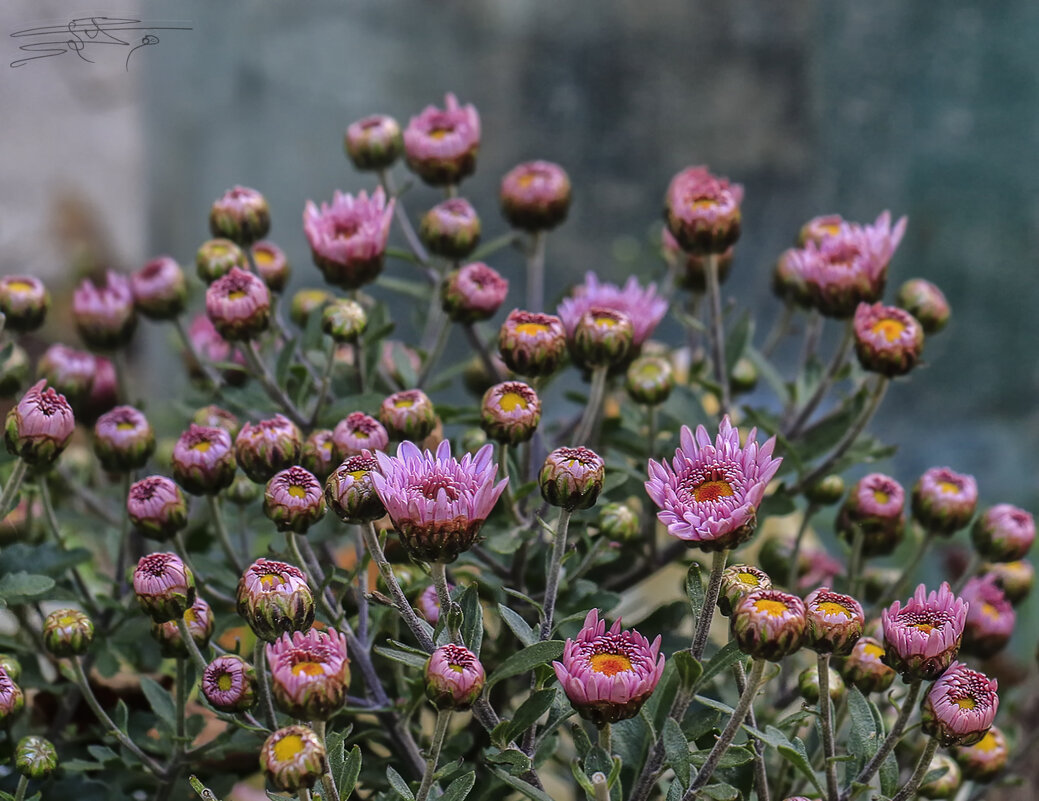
{"points": [[644, 307], [923, 637]]}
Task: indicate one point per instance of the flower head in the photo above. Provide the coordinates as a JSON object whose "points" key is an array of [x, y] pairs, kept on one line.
{"points": [[532, 344], [739, 580], [572, 478], [318, 454], [768, 624], [888, 340], [309, 673], [990, 617], [103, 395], [229, 684], [609, 675], [984, 760], [644, 307], [710, 493], [454, 677], [865, 667], [272, 265], [603, 337], [451, 229], [214, 416], [944, 501], [649, 380], [437, 503], [1004, 533], [960, 707], [348, 237], [199, 622], [429, 604], [241, 214], [35, 757], [67, 632], [214, 349], [875, 506], [344, 320], [238, 305], [40, 426], [358, 432], [535, 195], [408, 415], [12, 699], [510, 412], [703, 211], [923, 637], [274, 598], [473, 293], [71, 372], [293, 758], [215, 258], [1014, 578], [160, 289], [820, 228], [294, 500], [264, 448], [164, 585], [123, 439], [203, 460], [620, 521], [24, 301], [808, 684], [926, 303], [104, 314], [373, 142], [835, 621], [157, 507], [441, 145], [350, 491]]}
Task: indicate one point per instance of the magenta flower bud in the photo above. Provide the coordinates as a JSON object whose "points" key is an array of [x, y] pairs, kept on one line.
{"points": [[71, 372], [267, 447], [944, 501], [307, 302], [960, 706], [241, 214], [510, 412], [123, 440], [428, 604], [214, 349], [990, 617], [318, 454], [441, 146], [835, 622], [103, 395], [272, 265], [819, 229], [40, 426], [710, 493], [238, 305], [293, 758], [199, 621], [649, 380], [535, 196], [572, 478], [608, 676], [229, 684], [1014, 578], [217, 257], [923, 637], [214, 416], [620, 522], [165, 586], [14, 370], [348, 238], [293, 500], [703, 211], [454, 678], [865, 667], [473, 293], [1004, 533], [888, 340], [408, 415], [309, 673], [344, 320], [451, 229], [204, 460], [768, 624], [644, 307], [740, 580], [826, 491], [157, 507], [602, 337], [875, 506], [808, 685], [104, 314], [274, 598], [12, 699], [358, 432], [985, 760], [160, 289], [926, 303], [374, 142], [24, 301], [532, 344], [350, 491], [788, 283], [437, 503], [692, 267], [67, 632]]}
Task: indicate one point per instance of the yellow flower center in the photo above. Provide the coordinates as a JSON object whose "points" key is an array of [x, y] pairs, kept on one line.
{"points": [[403, 403], [511, 401], [948, 488], [224, 682], [296, 491], [888, 328], [965, 703], [526, 179], [20, 286], [990, 611], [124, 426], [830, 228], [308, 669], [702, 203], [608, 322], [238, 294], [218, 250], [201, 447], [270, 581], [440, 133], [190, 616], [770, 607], [988, 743], [873, 650], [288, 747], [263, 257], [712, 491], [880, 496], [610, 664], [530, 329], [748, 578], [833, 608], [66, 620], [357, 475]]}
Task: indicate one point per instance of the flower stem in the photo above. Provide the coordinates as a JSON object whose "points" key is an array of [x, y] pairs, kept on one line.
{"points": [[591, 410], [211, 375], [119, 363], [554, 569], [909, 788], [86, 596], [191, 645], [826, 719], [760, 777], [263, 682], [703, 623], [23, 783], [824, 384], [326, 382], [362, 368], [439, 571], [181, 548], [181, 697], [606, 738], [10, 492], [436, 352], [270, 386], [439, 733], [386, 180], [481, 350], [895, 590], [855, 561], [779, 330], [327, 781], [536, 273], [418, 628], [791, 580], [221, 533], [714, 292], [509, 497]]}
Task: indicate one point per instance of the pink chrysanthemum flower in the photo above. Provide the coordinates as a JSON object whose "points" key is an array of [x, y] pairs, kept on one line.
{"points": [[710, 493], [454, 677], [1004, 533], [768, 624], [875, 506], [990, 617], [358, 432], [12, 699], [309, 673], [274, 598], [203, 460], [428, 603], [923, 637], [703, 211], [40, 426], [960, 706], [348, 237], [441, 145], [123, 439], [438, 503], [160, 289], [157, 508], [71, 372], [229, 683], [238, 305], [835, 621], [609, 675], [644, 307], [164, 585], [535, 196], [104, 314], [294, 500], [473, 293], [888, 340], [944, 500]]}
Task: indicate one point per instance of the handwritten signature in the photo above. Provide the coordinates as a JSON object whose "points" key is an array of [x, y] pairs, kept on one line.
{"points": [[83, 32]]}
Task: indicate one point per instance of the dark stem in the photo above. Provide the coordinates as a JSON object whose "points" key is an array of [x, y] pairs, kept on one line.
{"points": [[824, 384], [909, 789], [703, 623], [536, 273], [714, 292], [826, 719], [262, 374], [554, 569]]}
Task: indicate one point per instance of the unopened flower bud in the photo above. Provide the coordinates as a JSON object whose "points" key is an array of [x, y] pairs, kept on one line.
{"points": [[318, 454], [619, 521], [454, 677], [307, 302], [740, 580], [428, 604], [12, 699], [865, 667], [944, 501], [535, 196], [827, 490], [24, 301], [272, 265], [835, 621], [743, 377], [274, 598], [440, 146], [985, 760], [926, 303], [164, 585], [40, 426], [1014, 578], [241, 215], [160, 289], [104, 314], [123, 440], [199, 621], [67, 632], [217, 257], [1004, 533], [510, 412], [35, 757], [603, 337], [310, 673], [157, 507], [293, 500], [451, 229], [213, 416], [874, 505], [572, 478], [703, 211], [238, 305], [888, 340], [650, 380], [103, 395], [768, 624], [408, 415], [788, 282], [532, 344], [229, 684], [374, 142], [14, 370], [473, 293], [819, 228], [960, 706], [267, 447], [10, 666], [204, 460], [293, 758], [808, 685], [350, 493], [344, 320], [945, 785], [990, 617], [71, 372], [358, 432]]}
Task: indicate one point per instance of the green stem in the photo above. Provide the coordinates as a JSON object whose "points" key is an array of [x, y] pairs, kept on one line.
{"points": [[327, 781], [203, 587], [606, 738], [362, 368], [10, 492], [119, 362], [778, 331], [791, 580], [909, 789], [813, 331], [118, 577], [326, 382], [86, 596], [182, 702], [714, 292], [263, 682], [262, 374], [222, 535], [192, 646], [824, 384], [703, 623], [23, 784], [760, 776], [419, 628], [554, 569], [509, 497], [211, 375], [439, 571], [855, 561], [386, 180], [826, 719], [439, 733], [437, 351], [536, 273], [591, 409], [481, 350]]}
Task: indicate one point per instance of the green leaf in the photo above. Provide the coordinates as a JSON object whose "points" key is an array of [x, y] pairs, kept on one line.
{"points": [[539, 653], [732, 758], [458, 789], [721, 792], [723, 660], [405, 657], [46, 559], [676, 749], [515, 761], [160, 700], [415, 289], [694, 589], [794, 752], [22, 587], [689, 669], [529, 711], [769, 373], [346, 779], [517, 625], [737, 341], [399, 785], [529, 790], [862, 739], [472, 620], [889, 774]]}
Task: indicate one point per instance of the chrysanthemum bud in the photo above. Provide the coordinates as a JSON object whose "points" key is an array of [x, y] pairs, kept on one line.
{"points": [[160, 289], [532, 344], [14, 370], [293, 758], [241, 214], [874, 505], [926, 303], [272, 265], [213, 416], [12, 699], [451, 229], [35, 757], [274, 598], [24, 301], [944, 501], [374, 142], [826, 490], [67, 632], [440, 146], [204, 460], [229, 684], [960, 706], [835, 621], [472, 293], [603, 337], [944, 786], [510, 412], [743, 377], [703, 211], [350, 493], [990, 617], [535, 196], [1014, 578], [217, 257], [11, 666], [238, 305], [318, 454], [123, 440], [865, 667], [454, 677], [293, 500], [650, 380], [214, 349], [310, 673], [344, 320], [104, 314], [164, 585], [408, 415], [358, 432], [572, 478], [740, 580], [619, 521], [923, 637], [788, 283], [40, 426], [157, 507], [983, 761], [199, 620], [692, 267], [1004, 533], [888, 340], [428, 604], [808, 685], [71, 372], [768, 624], [264, 448], [307, 302], [819, 228]]}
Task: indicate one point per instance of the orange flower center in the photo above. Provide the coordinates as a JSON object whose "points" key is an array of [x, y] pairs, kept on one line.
{"points": [[888, 328], [308, 669], [511, 401], [990, 611], [439, 133], [988, 743], [288, 747], [770, 607], [610, 664], [712, 491], [702, 203], [833, 608], [530, 329], [926, 628]]}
